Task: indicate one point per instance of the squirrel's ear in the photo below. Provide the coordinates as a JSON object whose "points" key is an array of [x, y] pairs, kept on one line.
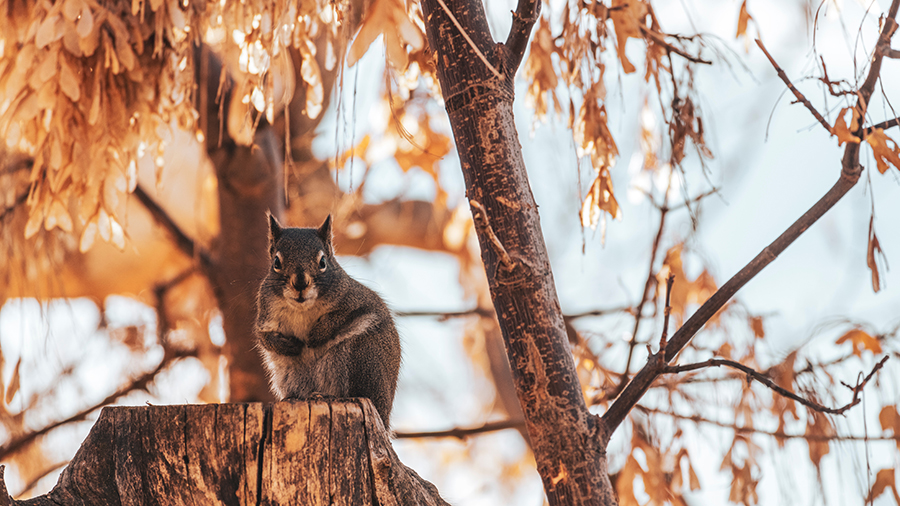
{"points": [[274, 232], [325, 233]]}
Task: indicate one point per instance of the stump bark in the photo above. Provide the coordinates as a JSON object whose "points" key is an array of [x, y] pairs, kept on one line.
{"points": [[333, 452]]}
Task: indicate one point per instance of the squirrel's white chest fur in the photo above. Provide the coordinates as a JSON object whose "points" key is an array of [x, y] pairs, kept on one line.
{"points": [[292, 318], [310, 371]]}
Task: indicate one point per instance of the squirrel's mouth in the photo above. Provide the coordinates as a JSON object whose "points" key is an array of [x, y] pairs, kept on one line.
{"points": [[305, 296]]}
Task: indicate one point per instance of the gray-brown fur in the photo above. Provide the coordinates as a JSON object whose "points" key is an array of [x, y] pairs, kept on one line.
{"points": [[319, 330]]}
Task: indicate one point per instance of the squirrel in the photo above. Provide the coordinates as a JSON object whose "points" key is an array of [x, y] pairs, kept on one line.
{"points": [[319, 331]]}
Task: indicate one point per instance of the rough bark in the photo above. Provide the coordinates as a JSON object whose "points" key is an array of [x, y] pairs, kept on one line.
{"points": [[311, 453], [565, 437]]}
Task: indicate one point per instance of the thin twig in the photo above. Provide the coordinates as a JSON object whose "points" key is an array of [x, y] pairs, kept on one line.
{"points": [[696, 199], [800, 98], [667, 311], [648, 284], [461, 433], [481, 222], [776, 434], [765, 380], [660, 39], [884, 125]]}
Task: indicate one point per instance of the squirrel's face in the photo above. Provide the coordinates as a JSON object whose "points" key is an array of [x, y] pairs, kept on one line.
{"points": [[302, 265]]}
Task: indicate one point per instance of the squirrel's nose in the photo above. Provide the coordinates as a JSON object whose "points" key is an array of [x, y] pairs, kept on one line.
{"points": [[298, 282]]}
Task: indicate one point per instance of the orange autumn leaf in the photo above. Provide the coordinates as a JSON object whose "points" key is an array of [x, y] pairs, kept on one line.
{"points": [[599, 199], [756, 325], [873, 248], [388, 18], [840, 128], [822, 428], [627, 16], [743, 18], [684, 290], [423, 150], [884, 480], [861, 341], [885, 150], [540, 73], [890, 420]]}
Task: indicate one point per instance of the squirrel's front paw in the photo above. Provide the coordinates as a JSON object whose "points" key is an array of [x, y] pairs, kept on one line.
{"points": [[282, 344]]}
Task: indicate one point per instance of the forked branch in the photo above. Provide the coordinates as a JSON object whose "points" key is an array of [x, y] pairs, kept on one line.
{"points": [[850, 172]]}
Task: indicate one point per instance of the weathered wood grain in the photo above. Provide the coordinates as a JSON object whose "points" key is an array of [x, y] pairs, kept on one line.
{"points": [[333, 452]]}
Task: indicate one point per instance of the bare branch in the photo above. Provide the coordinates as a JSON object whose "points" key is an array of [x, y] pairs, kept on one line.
{"points": [[884, 125], [526, 14], [850, 161], [800, 98], [461, 433], [162, 218], [659, 38], [765, 380], [776, 434], [139, 383]]}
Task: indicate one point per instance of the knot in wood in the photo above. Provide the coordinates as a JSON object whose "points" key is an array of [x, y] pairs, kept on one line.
{"points": [[519, 272]]}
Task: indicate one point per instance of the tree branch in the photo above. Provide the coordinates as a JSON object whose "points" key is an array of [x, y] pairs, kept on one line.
{"points": [[461, 433], [765, 380], [850, 172], [800, 98], [526, 14], [850, 161], [776, 434], [181, 239], [139, 383], [884, 125]]}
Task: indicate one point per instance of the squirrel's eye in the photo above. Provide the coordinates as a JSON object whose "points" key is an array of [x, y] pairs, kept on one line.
{"points": [[276, 265], [322, 263]]}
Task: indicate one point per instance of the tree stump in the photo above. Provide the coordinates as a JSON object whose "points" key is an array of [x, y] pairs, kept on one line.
{"points": [[333, 452]]}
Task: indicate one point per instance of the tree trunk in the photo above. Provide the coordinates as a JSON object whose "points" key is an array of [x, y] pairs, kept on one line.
{"points": [[249, 184], [310, 453], [568, 441]]}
